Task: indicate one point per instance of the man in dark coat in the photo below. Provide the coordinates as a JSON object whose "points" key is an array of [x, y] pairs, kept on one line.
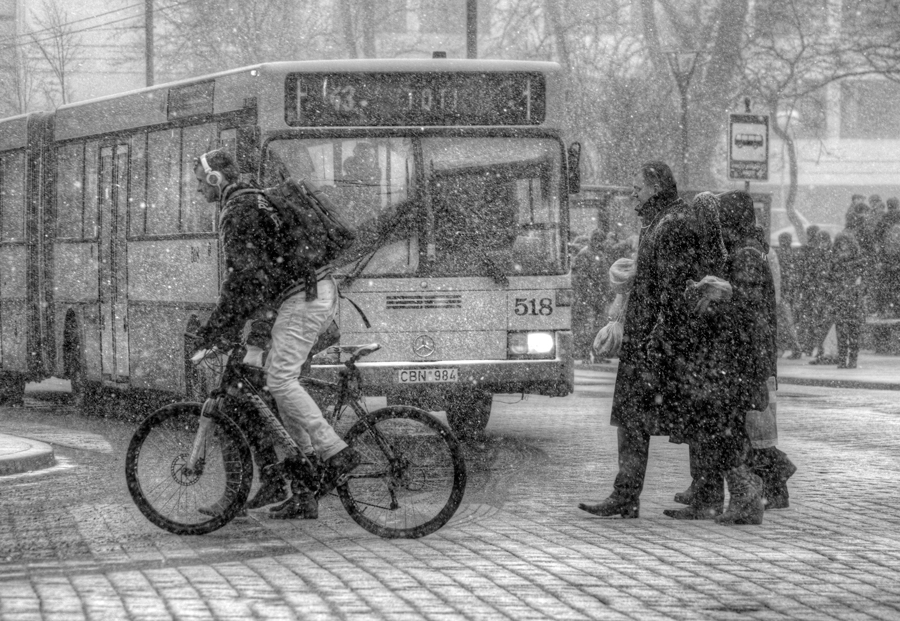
{"points": [[670, 253]]}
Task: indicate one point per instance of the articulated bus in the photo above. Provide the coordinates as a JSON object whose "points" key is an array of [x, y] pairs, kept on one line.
{"points": [[454, 173]]}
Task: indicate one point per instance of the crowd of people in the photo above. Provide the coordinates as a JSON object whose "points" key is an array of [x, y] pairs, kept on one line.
{"points": [[837, 282]]}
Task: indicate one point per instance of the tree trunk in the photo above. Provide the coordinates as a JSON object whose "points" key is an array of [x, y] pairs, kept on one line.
{"points": [[792, 183], [346, 9], [559, 35], [367, 25]]}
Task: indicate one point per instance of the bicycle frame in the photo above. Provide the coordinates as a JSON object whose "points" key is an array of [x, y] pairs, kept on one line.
{"points": [[236, 382]]}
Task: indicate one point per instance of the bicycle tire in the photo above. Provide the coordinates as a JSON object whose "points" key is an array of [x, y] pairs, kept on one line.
{"points": [[427, 473], [167, 495]]}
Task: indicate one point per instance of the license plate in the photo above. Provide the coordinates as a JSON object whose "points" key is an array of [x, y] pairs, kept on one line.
{"points": [[427, 376]]}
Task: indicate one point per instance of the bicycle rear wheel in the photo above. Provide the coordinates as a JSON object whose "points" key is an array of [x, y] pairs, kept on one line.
{"points": [[167, 492], [412, 476]]}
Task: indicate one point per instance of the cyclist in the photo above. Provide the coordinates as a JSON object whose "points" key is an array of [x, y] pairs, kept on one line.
{"points": [[260, 275]]}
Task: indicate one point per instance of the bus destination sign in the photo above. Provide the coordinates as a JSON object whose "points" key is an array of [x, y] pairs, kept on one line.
{"points": [[424, 99]]}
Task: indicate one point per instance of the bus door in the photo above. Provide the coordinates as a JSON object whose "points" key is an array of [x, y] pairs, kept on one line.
{"points": [[113, 197]]}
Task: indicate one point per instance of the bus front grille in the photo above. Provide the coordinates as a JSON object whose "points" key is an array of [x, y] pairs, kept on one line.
{"points": [[419, 301]]}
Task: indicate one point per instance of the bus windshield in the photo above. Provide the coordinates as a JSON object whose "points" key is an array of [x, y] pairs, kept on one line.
{"points": [[437, 206]]}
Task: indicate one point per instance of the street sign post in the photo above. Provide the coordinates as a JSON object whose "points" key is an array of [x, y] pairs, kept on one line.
{"points": [[748, 147]]}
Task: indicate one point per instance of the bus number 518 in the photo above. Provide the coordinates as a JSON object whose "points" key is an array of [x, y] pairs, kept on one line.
{"points": [[525, 306]]}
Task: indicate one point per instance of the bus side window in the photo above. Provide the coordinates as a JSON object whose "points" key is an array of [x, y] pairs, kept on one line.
{"points": [[137, 200], [12, 197], [91, 187], [70, 191], [163, 175]]}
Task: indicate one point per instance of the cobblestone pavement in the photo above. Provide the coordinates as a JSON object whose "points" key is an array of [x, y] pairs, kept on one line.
{"points": [[73, 546]]}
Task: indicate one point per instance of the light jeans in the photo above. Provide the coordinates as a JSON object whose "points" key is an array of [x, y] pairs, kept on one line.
{"points": [[296, 328]]}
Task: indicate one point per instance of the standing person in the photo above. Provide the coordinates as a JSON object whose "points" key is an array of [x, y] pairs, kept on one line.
{"points": [[787, 333], [782, 262], [823, 287], [887, 239], [846, 273], [261, 274], [669, 255], [591, 285], [804, 289]]}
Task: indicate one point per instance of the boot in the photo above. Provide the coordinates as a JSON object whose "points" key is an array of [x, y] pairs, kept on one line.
{"points": [[687, 495], [614, 506], [694, 513], [781, 470], [706, 500], [301, 505], [746, 503]]}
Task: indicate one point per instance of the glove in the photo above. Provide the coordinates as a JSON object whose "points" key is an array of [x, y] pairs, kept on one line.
{"points": [[608, 341], [202, 354], [709, 289]]}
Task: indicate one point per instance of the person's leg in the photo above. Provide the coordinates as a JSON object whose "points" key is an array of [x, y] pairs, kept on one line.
{"points": [[296, 328], [708, 498], [747, 503], [634, 448], [695, 470], [843, 342], [853, 334]]}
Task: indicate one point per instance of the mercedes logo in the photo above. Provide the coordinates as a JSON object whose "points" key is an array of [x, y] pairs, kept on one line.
{"points": [[423, 346]]}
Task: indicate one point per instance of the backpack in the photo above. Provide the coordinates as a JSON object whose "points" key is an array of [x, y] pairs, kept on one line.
{"points": [[310, 223]]}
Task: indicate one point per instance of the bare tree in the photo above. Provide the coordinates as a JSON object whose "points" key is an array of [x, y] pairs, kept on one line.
{"points": [[794, 51], [18, 80], [58, 44], [203, 37]]}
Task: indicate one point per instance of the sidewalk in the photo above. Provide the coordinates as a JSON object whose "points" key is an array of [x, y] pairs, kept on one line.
{"points": [[23, 455], [19, 455], [875, 372]]}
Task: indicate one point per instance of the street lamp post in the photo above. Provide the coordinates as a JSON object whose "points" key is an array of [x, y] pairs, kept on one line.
{"points": [[682, 65]]}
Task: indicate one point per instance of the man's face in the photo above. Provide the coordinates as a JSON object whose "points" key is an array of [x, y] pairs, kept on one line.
{"points": [[209, 192], [642, 192]]}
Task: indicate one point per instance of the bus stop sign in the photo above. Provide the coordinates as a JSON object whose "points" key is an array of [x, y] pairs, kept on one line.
{"points": [[748, 147]]}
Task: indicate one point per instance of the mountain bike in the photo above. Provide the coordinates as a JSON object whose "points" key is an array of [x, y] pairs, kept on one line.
{"points": [[190, 456]]}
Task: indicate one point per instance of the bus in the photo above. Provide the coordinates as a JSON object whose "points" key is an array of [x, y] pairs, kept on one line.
{"points": [[454, 173]]}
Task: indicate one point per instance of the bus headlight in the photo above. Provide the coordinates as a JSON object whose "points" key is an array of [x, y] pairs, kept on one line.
{"points": [[531, 344]]}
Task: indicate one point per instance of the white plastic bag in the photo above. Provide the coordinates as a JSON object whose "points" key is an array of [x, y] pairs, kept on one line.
{"points": [[609, 340]]}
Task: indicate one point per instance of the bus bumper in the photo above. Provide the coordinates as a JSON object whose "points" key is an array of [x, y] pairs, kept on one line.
{"points": [[551, 377]]}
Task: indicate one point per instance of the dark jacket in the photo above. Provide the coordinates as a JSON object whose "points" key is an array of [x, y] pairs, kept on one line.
{"points": [[257, 271], [654, 338], [846, 277]]}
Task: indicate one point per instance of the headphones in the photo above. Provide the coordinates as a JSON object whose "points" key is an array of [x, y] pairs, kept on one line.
{"points": [[213, 177]]}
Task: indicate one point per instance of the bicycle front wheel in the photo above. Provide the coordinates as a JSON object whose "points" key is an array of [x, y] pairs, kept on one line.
{"points": [[176, 498], [412, 476]]}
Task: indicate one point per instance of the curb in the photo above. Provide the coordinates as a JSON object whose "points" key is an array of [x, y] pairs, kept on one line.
{"points": [[19, 455], [782, 379]]}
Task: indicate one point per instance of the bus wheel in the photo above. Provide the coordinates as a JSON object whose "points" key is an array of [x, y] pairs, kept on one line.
{"points": [[468, 413]]}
